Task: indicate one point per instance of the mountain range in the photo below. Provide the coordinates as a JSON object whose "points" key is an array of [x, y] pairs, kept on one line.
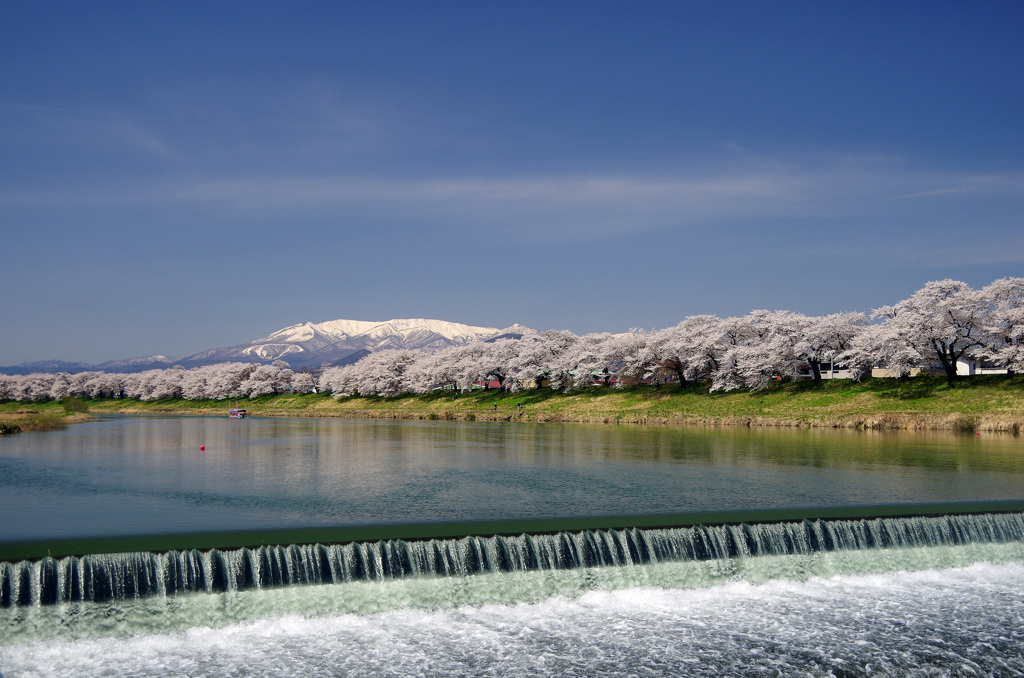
{"points": [[306, 345]]}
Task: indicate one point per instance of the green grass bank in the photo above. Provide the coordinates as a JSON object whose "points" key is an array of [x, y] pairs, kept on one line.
{"points": [[53, 415], [988, 403]]}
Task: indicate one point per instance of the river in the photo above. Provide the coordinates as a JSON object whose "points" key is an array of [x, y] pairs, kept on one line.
{"points": [[938, 596]]}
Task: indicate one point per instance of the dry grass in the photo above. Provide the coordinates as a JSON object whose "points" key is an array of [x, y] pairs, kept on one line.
{"points": [[33, 420]]}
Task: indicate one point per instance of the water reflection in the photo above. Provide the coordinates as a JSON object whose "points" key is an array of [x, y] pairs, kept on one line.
{"points": [[124, 475]]}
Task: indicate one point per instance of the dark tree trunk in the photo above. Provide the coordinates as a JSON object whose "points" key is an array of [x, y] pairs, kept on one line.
{"points": [[815, 369], [947, 358], [678, 368]]}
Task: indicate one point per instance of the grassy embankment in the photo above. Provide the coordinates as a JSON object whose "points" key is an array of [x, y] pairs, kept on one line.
{"points": [[993, 403], [53, 415]]}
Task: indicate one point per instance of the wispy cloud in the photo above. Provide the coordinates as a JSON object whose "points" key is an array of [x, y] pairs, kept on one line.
{"points": [[133, 134], [967, 184], [568, 206], [558, 206], [112, 130]]}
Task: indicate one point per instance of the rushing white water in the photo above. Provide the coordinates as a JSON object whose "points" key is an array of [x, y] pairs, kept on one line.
{"points": [[124, 576], [943, 610]]}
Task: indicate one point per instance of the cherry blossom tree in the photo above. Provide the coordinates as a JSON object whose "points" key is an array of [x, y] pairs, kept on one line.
{"points": [[585, 361], [885, 345], [826, 337], [557, 344], [60, 386], [496, 360], [693, 348], [195, 383], [943, 322], [338, 380], [36, 386], [532, 362], [266, 379], [483, 362], [380, 373], [469, 363], [224, 380], [104, 385], [78, 385], [434, 370], [303, 382], [160, 384], [636, 355], [1004, 323], [759, 347], [8, 384]]}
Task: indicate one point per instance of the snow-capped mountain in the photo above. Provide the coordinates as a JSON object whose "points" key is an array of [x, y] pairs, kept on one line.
{"points": [[335, 342], [342, 341]]}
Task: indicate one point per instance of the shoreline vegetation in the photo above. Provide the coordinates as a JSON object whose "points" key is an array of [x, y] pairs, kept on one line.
{"points": [[51, 415], [922, 403]]}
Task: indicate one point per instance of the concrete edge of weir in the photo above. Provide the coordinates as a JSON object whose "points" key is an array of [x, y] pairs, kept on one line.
{"points": [[13, 551]]}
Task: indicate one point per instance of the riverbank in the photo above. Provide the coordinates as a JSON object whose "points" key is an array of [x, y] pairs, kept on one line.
{"points": [[991, 403], [21, 417]]}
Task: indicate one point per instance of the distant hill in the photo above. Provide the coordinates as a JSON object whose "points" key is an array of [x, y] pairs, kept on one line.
{"points": [[48, 366], [310, 345]]}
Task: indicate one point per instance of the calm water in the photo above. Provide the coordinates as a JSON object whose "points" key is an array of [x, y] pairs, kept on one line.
{"points": [[139, 475]]}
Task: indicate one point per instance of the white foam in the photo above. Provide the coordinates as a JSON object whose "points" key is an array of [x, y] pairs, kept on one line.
{"points": [[971, 619]]}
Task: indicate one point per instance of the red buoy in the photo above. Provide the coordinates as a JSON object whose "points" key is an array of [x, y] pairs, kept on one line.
{"points": [[202, 448]]}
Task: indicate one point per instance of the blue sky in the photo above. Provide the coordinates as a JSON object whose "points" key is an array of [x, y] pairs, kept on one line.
{"points": [[180, 176]]}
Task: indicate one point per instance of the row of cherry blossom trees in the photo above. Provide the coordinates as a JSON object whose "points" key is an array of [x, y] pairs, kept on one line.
{"points": [[942, 324], [224, 380]]}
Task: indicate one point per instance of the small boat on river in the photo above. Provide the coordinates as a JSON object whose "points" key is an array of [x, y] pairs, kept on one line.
{"points": [[237, 413]]}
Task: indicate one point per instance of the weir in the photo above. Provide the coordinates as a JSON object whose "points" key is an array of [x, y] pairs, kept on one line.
{"points": [[104, 577]]}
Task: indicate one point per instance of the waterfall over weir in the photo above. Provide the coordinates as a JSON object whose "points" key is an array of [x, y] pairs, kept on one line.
{"points": [[119, 576]]}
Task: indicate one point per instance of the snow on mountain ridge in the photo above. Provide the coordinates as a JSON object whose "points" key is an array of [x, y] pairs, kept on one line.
{"points": [[271, 351], [340, 330], [303, 332], [310, 344], [376, 329], [337, 341]]}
